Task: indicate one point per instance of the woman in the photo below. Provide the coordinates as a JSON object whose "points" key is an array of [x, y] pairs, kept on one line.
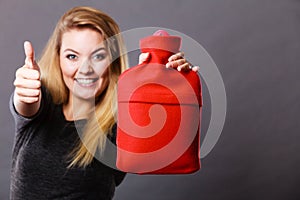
{"points": [[76, 75]]}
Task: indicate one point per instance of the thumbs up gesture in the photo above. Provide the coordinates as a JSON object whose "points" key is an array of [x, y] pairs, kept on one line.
{"points": [[27, 82]]}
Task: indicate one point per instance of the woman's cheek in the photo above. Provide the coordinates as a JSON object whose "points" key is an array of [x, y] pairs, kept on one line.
{"points": [[102, 68], [68, 69]]}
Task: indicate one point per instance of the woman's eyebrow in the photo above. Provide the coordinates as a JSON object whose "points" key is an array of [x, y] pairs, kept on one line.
{"points": [[99, 49], [71, 50]]}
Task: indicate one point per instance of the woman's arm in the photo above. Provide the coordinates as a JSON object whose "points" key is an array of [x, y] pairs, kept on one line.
{"points": [[27, 94]]}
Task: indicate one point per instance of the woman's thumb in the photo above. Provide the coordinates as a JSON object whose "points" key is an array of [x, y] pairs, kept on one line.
{"points": [[29, 53]]}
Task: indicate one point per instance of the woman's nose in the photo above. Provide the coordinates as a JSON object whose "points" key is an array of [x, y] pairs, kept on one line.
{"points": [[86, 67]]}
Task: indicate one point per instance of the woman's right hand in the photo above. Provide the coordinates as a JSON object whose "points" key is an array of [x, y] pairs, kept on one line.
{"points": [[27, 84]]}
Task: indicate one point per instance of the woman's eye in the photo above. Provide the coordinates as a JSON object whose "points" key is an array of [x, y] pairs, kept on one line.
{"points": [[71, 57], [99, 57]]}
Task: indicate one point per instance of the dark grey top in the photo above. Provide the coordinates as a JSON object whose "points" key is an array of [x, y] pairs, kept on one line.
{"points": [[40, 154]]}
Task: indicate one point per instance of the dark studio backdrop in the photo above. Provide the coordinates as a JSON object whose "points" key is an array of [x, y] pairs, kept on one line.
{"points": [[256, 46]]}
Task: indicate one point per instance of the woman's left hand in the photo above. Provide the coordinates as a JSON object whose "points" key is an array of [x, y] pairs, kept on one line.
{"points": [[176, 61]]}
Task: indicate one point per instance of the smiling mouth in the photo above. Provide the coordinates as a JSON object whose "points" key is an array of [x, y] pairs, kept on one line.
{"points": [[86, 81]]}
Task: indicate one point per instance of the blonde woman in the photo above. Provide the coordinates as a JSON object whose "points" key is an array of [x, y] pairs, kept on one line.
{"points": [[76, 75]]}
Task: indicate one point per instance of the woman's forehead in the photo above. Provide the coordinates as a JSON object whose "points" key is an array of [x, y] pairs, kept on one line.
{"points": [[83, 40]]}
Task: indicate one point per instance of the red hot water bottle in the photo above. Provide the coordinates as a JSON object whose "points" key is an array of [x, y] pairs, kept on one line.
{"points": [[159, 113]]}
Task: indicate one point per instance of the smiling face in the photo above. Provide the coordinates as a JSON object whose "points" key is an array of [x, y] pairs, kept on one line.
{"points": [[84, 62]]}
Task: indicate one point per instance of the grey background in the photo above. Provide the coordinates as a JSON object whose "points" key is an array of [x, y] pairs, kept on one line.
{"points": [[256, 46]]}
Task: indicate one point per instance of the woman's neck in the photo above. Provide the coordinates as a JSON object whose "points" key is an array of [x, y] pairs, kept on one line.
{"points": [[78, 108]]}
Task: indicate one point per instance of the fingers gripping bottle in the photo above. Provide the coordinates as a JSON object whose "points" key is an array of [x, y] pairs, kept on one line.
{"points": [[159, 112]]}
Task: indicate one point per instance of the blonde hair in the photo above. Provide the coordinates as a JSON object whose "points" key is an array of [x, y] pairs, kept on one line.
{"points": [[97, 128]]}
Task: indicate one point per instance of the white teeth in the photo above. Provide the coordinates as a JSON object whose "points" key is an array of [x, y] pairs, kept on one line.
{"points": [[86, 81]]}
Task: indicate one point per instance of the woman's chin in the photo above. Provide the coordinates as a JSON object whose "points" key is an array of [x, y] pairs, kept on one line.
{"points": [[84, 94]]}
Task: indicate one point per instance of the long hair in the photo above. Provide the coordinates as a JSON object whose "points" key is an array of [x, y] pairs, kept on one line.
{"points": [[96, 130]]}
